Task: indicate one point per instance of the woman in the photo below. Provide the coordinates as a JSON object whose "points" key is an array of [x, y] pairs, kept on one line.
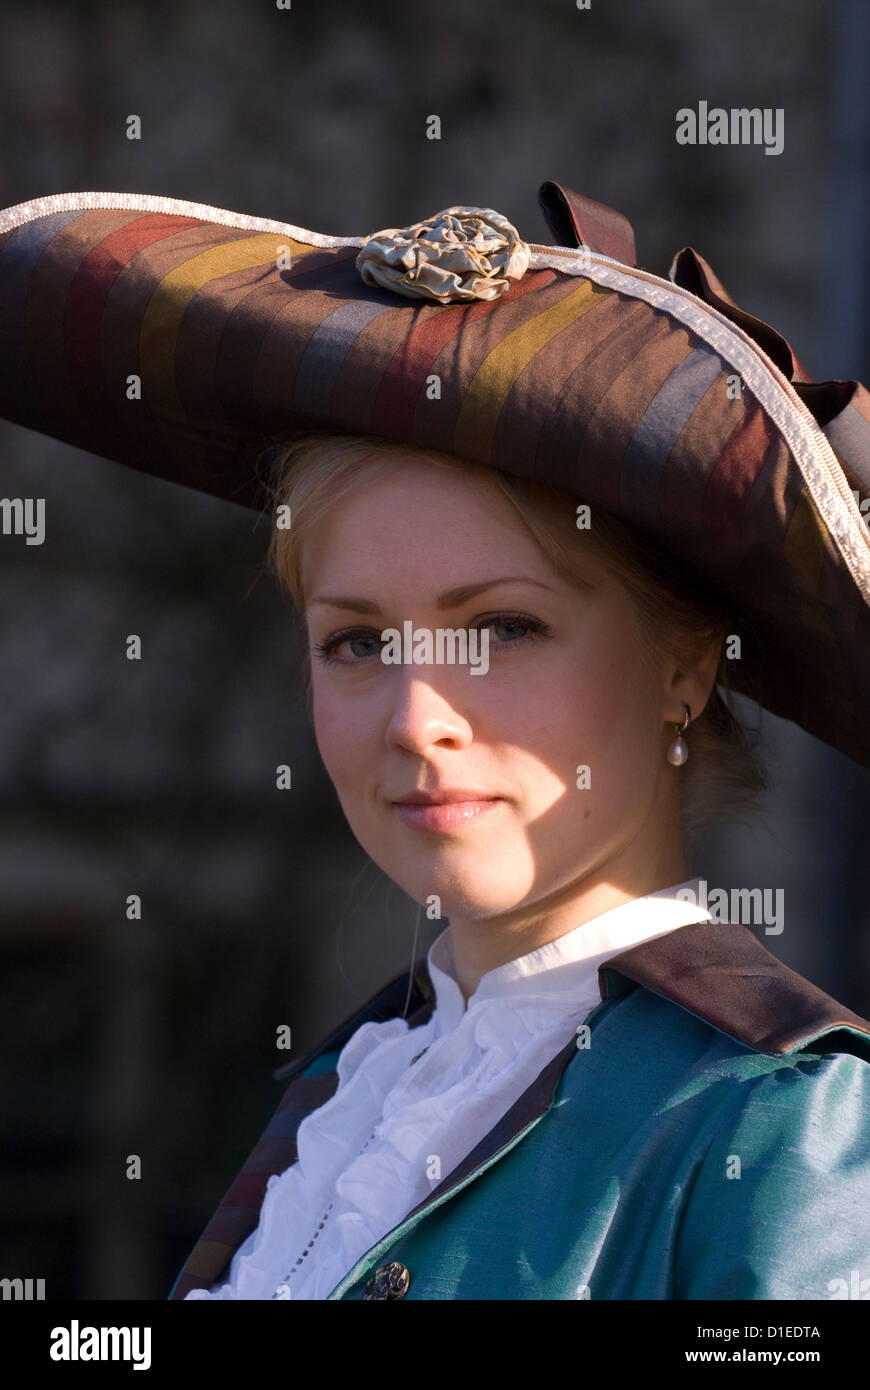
{"points": [[590, 1088], [541, 809]]}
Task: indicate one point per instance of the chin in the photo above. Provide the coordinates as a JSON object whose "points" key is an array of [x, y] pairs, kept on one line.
{"points": [[471, 880], [464, 895]]}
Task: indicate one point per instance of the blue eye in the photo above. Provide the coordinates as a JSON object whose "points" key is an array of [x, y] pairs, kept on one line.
{"points": [[510, 622], [514, 620], [324, 650]]}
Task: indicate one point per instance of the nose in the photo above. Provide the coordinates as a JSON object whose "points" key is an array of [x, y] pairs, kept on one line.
{"points": [[423, 715]]}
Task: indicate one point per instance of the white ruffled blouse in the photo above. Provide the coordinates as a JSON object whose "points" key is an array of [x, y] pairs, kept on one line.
{"points": [[392, 1131]]}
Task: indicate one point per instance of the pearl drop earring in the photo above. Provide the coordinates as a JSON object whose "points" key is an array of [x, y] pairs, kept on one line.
{"points": [[678, 751]]}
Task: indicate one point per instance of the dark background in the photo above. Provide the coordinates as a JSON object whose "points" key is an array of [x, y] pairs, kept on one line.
{"points": [[157, 777]]}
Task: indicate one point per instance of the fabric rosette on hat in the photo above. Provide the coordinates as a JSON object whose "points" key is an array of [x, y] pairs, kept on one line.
{"points": [[460, 254], [186, 341]]}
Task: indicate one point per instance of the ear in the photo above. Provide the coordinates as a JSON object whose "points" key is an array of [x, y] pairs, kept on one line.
{"points": [[692, 685]]}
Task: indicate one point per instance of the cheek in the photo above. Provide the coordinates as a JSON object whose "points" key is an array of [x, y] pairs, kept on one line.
{"points": [[630, 746], [349, 737], [606, 709], [334, 733]]}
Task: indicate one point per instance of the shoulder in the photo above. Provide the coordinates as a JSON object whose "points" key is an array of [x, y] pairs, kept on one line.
{"points": [[771, 1076], [779, 1205]]}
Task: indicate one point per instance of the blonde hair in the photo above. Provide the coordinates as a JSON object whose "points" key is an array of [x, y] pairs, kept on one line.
{"points": [[677, 610]]}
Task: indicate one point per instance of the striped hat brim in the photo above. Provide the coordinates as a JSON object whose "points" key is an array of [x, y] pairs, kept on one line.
{"points": [[185, 340]]}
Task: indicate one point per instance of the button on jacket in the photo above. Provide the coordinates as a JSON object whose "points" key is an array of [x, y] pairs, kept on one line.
{"points": [[709, 1137]]}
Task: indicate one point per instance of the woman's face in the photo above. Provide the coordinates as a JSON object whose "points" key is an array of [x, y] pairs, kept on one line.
{"points": [[567, 686]]}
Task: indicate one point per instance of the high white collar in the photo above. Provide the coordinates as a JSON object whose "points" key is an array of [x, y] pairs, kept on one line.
{"points": [[568, 966]]}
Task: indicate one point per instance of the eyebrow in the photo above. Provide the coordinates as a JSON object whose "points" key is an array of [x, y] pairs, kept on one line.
{"points": [[450, 598]]}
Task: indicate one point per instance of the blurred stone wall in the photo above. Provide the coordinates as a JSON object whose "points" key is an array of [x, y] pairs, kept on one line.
{"points": [[157, 777]]}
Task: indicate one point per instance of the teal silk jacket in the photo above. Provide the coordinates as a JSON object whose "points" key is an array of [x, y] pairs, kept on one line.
{"points": [[707, 1137]]}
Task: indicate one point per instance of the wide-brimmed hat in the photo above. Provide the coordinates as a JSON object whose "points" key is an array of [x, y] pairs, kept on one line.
{"points": [[185, 340]]}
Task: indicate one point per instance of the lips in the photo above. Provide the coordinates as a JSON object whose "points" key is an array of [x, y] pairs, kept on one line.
{"points": [[447, 810], [444, 797]]}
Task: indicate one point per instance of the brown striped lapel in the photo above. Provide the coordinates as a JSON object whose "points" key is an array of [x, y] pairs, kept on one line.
{"points": [[719, 972]]}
